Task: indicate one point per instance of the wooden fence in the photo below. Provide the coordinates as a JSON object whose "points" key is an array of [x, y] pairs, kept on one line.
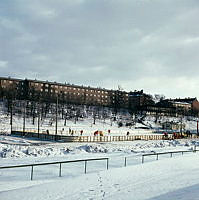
{"points": [[64, 138]]}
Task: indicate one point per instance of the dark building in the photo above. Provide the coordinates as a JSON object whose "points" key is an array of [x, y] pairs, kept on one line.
{"points": [[138, 100], [185, 105], [36, 90], [175, 107]]}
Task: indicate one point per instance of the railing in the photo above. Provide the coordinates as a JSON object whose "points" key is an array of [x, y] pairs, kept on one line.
{"points": [[93, 159], [109, 138], [161, 153], [157, 154], [60, 165]]}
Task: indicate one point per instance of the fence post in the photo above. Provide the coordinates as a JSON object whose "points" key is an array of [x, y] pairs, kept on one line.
{"points": [[59, 169], [124, 161], [85, 166], [157, 157], [142, 158], [31, 173], [107, 164], [171, 155], [182, 152]]}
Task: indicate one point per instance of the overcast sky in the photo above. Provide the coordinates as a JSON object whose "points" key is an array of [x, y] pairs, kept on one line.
{"points": [[138, 44]]}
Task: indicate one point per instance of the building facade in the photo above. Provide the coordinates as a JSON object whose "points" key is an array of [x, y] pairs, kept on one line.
{"points": [[67, 93]]}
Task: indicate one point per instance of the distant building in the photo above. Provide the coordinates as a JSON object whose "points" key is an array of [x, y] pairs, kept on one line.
{"points": [[138, 100], [67, 93], [173, 126], [36, 90], [186, 103], [182, 106]]}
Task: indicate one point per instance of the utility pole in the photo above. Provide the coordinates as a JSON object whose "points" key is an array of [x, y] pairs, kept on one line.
{"points": [[11, 116], [24, 119], [33, 112], [38, 121], [65, 119], [181, 127], [56, 119]]}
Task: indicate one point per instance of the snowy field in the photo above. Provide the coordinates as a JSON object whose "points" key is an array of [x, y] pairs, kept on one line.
{"points": [[108, 126], [168, 178], [85, 125]]}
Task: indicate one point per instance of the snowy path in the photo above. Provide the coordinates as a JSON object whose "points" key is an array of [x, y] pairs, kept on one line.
{"points": [[158, 180]]}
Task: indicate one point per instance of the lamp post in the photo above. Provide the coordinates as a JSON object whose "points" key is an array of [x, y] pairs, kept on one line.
{"points": [[38, 121], [56, 119], [181, 127], [11, 116], [24, 119]]}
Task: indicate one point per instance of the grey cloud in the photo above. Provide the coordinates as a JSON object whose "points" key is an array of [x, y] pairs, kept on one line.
{"points": [[137, 44]]}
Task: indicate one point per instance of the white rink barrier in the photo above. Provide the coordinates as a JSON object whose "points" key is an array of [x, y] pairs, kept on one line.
{"points": [[64, 138]]}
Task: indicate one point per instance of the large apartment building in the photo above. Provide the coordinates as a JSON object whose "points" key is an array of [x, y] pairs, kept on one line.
{"points": [[36, 90], [68, 93]]}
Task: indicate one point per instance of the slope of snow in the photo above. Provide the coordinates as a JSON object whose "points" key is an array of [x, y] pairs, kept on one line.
{"points": [[146, 125], [169, 178], [16, 147]]}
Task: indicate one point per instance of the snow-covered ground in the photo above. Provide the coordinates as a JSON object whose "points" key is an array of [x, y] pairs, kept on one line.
{"points": [[168, 178], [175, 178], [82, 124], [109, 125]]}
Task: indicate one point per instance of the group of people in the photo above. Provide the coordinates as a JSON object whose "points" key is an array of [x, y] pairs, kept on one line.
{"points": [[72, 132], [177, 135]]}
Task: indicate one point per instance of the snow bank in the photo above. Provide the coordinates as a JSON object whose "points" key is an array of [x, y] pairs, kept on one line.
{"points": [[16, 147], [171, 178]]}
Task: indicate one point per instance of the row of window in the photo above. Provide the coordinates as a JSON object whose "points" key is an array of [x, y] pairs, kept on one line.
{"points": [[46, 87], [6, 81]]}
